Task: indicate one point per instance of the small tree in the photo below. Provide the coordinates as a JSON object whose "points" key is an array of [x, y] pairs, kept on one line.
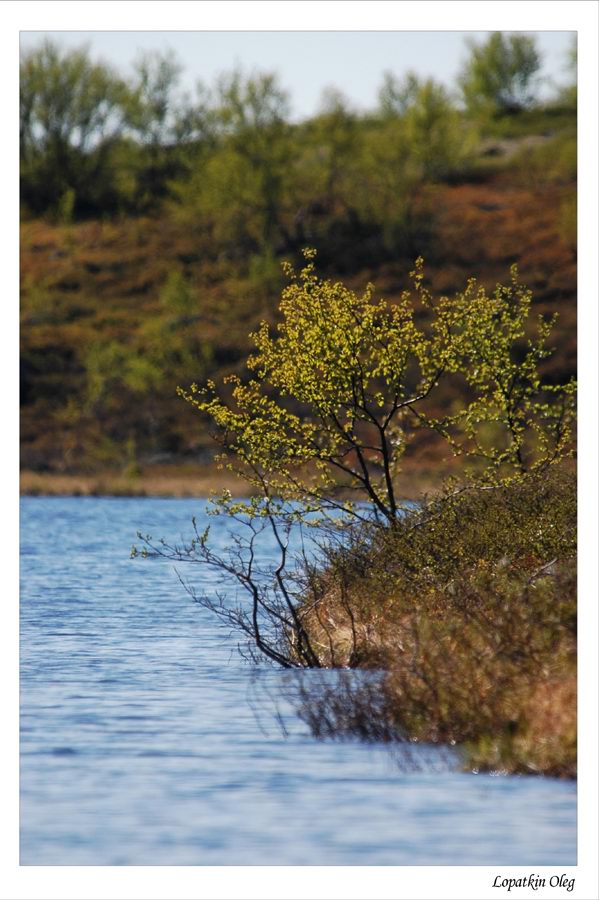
{"points": [[346, 382], [335, 397], [500, 75]]}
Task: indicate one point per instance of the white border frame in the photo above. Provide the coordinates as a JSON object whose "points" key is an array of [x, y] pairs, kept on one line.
{"points": [[345, 883]]}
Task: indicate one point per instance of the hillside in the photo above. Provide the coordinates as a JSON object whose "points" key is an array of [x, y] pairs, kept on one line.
{"points": [[153, 233], [116, 314]]}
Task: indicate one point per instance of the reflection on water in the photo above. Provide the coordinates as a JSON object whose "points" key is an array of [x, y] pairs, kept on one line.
{"points": [[146, 740]]}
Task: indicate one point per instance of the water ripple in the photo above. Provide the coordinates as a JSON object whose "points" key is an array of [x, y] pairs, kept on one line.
{"points": [[146, 740]]}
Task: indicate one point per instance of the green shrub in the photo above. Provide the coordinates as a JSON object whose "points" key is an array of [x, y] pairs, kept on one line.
{"points": [[550, 161]]}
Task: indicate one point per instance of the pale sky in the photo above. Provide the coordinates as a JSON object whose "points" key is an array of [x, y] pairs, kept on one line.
{"points": [[306, 61]]}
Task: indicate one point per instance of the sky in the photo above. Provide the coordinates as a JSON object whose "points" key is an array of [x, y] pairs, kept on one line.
{"points": [[306, 61]]}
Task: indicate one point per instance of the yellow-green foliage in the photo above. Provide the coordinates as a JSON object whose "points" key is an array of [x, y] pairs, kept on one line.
{"points": [[347, 380]]}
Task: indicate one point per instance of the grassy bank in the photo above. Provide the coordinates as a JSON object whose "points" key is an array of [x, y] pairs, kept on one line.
{"points": [[182, 480], [147, 481], [468, 606]]}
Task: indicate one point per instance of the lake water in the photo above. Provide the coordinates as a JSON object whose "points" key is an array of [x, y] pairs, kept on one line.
{"points": [[147, 740]]}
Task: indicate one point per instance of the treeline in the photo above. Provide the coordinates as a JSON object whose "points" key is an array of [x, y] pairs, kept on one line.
{"points": [[94, 143]]}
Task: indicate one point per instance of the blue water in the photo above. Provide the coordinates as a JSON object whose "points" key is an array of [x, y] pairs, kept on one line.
{"points": [[147, 740]]}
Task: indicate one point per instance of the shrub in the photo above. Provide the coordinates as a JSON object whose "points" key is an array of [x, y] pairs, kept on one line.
{"points": [[469, 607]]}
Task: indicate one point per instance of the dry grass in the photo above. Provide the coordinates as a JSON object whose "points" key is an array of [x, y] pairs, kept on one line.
{"points": [[150, 482], [182, 480], [545, 743], [469, 608]]}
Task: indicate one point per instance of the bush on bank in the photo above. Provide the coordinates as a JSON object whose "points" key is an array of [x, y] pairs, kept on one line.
{"points": [[468, 606], [467, 601]]}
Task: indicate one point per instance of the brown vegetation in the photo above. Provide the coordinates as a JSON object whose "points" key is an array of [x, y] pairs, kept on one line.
{"points": [[149, 481], [468, 609]]}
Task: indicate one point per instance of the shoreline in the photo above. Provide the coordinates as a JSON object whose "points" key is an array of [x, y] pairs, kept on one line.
{"points": [[118, 484], [181, 482]]}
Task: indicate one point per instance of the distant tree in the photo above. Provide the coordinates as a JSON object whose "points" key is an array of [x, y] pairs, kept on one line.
{"points": [[152, 107], [335, 131], [440, 140], [388, 187], [501, 74], [72, 113], [241, 185], [322, 183], [162, 121], [418, 137], [397, 95]]}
